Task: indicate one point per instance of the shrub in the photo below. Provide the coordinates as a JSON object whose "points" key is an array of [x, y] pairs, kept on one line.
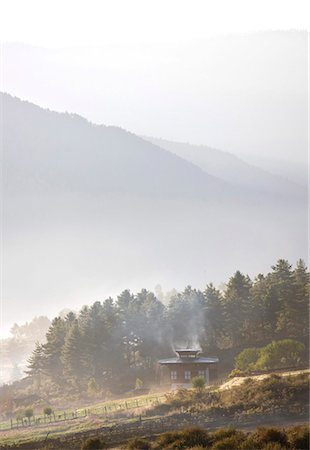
{"points": [[195, 436], [283, 353], [266, 435], [138, 384], [223, 433], [93, 444], [298, 437], [229, 443], [197, 447], [190, 437], [168, 438], [277, 354], [48, 411], [92, 387], [273, 446], [250, 444], [237, 373], [29, 413], [138, 444], [247, 359], [198, 383]]}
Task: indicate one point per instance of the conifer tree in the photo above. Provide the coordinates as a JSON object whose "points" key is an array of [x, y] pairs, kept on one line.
{"points": [[214, 325]]}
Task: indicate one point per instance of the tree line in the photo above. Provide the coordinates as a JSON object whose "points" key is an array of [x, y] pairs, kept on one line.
{"points": [[115, 341]]}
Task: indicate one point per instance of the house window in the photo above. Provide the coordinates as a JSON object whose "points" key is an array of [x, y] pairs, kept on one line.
{"points": [[187, 374], [173, 375], [201, 373]]}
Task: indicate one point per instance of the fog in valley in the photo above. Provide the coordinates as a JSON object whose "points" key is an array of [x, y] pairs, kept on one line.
{"points": [[91, 210]]}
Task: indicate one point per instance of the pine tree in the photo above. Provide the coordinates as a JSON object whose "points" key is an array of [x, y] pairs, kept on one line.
{"points": [[35, 365], [214, 324], [55, 338], [301, 279], [263, 317], [72, 356], [283, 283], [237, 308]]}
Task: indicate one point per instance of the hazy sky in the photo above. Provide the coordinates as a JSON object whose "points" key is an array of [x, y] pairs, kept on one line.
{"points": [[101, 22], [180, 70]]}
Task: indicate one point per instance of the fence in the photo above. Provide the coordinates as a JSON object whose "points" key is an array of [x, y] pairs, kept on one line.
{"points": [[104, 409], [126, 405], [37, 420]]}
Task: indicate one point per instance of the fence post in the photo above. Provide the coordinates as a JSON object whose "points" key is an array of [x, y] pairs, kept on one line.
{"points": [[11, 423]]}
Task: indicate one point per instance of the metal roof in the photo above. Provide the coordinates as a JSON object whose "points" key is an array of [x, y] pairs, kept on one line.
{"points": [[199, 360], [190, 350]]}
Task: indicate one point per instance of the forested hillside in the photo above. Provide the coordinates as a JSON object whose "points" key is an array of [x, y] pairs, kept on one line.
{"points": [[112, 342]]}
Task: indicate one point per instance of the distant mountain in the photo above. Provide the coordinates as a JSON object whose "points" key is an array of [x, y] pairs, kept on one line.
{"points": [[66, 152], [232, 169], [90, 210], [245, 93], [296, 171]]}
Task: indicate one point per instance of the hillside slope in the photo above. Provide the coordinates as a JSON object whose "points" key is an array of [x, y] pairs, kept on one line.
{"points": [[66, 152], [231, 168]]}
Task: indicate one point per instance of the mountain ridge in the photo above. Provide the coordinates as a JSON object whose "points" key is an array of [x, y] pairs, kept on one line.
{"points": [[217, 162]]}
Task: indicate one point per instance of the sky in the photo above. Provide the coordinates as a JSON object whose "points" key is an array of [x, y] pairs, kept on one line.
{"points": [[152, 68], [75, 22]]}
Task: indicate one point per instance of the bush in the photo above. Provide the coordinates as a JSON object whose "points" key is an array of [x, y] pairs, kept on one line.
{"points": [[187, 438], [247, 359], [198, 383], [278, 354], [195, 436], [168, 438], [93, 444], [138, 444], [29, 413], [48, 411], [266, 435], [298, 437], [273, 446], [92, 387], [237, 373], [138, 384], [197, 447], [223, 433], [229, 443]]}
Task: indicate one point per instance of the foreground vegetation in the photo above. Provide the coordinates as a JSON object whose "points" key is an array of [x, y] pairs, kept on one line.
{"points": [[296, 438], [274, 395], [276, 399]]}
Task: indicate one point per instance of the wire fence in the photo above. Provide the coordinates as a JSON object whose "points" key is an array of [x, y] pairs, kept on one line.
{"points": [[127, 405], [100, 410]]}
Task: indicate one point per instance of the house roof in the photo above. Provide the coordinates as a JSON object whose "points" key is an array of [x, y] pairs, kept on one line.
{"points": [[199, 360]]}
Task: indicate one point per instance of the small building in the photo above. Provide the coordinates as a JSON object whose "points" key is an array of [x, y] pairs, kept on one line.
{"points": [[189, 364]]}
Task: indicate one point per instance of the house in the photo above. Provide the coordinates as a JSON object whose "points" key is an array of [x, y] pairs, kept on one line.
{"points": [[189, 364]]}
